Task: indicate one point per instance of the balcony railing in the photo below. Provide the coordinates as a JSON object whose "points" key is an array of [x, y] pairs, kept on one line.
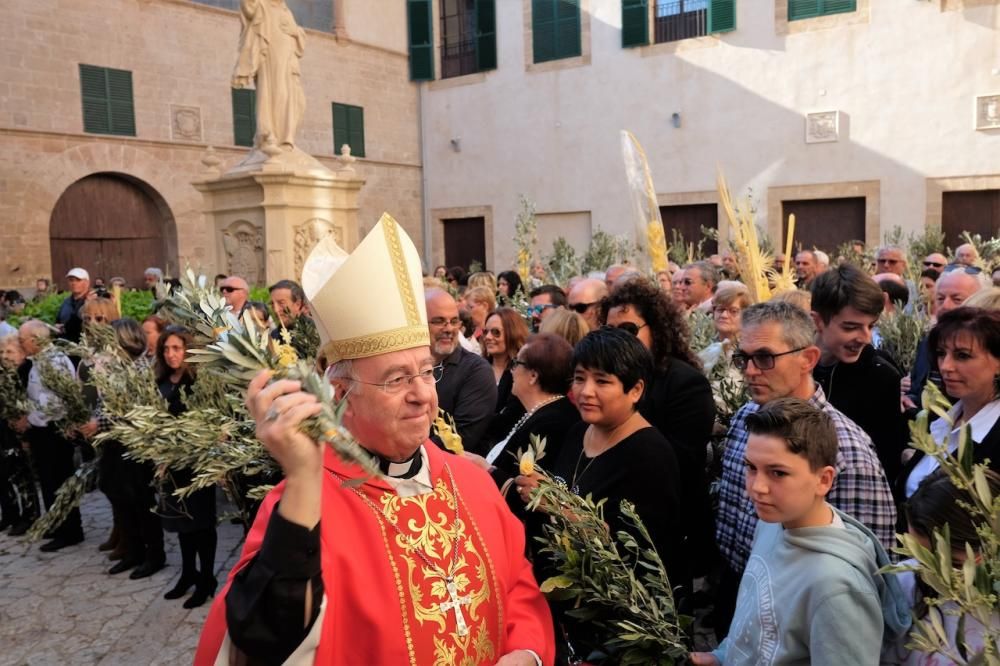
{"points": [[673, 22]]}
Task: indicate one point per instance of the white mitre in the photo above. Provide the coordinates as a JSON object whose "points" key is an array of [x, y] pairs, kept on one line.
{"points": [[370, 301]]}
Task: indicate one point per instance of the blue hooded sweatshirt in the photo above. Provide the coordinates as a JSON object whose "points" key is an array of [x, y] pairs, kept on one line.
{"points": [[812, 595]]}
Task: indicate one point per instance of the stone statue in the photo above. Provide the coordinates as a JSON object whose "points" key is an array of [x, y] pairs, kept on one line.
{"points": [[271, 44]]}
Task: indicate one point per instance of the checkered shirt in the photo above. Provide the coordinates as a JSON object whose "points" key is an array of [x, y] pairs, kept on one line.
{"points": [[860, 488]]}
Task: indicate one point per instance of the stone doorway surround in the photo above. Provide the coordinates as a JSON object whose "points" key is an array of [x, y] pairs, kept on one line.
{"points": [[439, 215], [869, 189], [936, 187]]}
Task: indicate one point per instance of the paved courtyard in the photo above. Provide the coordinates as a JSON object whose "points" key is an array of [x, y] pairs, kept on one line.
{"points": [[64, 608]]}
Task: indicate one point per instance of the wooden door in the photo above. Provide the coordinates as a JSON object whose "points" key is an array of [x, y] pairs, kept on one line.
{"points": [[465, 241], [688, 219], [109, 226], [977, 212], [824, 224]]}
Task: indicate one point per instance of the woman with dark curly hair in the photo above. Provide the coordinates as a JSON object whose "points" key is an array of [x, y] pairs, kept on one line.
{"points": [[678, 403]]}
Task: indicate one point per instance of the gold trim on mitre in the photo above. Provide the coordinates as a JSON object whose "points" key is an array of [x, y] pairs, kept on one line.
{"points": [[370, 301]]}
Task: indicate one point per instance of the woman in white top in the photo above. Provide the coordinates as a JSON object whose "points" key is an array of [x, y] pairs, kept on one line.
{"points": [[965, 349]]}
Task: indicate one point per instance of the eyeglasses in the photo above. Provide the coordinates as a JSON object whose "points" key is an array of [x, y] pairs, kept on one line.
{"points": [[971, 270], [229, 290], [539, 309], [732, 312], [582, 307], [397, 383], [441, 321], [518, 362], [495, 332], [630, 327], [761, 360], [933, 264], [885, 260], [92, 319]]}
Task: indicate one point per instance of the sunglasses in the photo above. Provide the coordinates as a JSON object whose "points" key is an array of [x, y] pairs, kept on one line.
{"points": [[495, 332], [229, 290], [933, 264], [539, 309], [630, 327], [581, 307], [762, 360], [970, 270]]}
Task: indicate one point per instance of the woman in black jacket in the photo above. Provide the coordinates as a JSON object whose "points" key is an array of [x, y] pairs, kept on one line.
{"points": [[192, 518]]}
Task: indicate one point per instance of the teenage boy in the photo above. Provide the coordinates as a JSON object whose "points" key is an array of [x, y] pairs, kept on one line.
{"points": [[811, 593], [856, 378]]}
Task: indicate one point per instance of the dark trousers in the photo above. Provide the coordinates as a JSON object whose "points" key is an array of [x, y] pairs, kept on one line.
{"points": [[141, 529], [18, 494], [53, 455]]}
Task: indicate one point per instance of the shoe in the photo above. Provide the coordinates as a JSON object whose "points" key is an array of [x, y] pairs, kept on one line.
{"points": [[204, 590], [22, 527], [182, 586], [124, 565], [118, 553], [58, 543], [147, 569]]}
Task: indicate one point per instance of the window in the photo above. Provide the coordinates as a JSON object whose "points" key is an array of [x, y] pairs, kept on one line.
{"points": [[555, 29], [244, 116], [418, 21], [107, 100], [802, 9], [349, 128], [468, 37], [683, 19]]}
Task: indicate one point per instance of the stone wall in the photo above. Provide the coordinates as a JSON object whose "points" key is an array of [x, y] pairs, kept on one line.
{"points": [[181, 55]]}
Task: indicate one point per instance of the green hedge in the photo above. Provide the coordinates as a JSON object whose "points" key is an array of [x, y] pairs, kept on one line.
{"points": [[135, 304]]}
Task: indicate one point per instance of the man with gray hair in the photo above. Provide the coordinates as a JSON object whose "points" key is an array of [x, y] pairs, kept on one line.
{"points": [[777, 353], [152, 276], [700, 282]]}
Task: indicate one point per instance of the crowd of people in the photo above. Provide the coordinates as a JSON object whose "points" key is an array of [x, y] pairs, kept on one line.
{"points": [[778, 517]]}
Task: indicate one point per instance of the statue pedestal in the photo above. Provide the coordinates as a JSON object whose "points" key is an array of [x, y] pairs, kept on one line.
{"points": [[267, 220]]}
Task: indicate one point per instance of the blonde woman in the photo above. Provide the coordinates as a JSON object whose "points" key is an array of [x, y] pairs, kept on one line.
{"points": [[567, 324], [480, 302]]}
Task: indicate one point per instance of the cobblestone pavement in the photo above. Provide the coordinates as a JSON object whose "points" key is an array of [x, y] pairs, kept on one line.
{"points": [[64, 608]]}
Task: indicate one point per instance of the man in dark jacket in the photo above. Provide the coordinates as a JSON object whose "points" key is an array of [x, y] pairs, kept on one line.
{"points": [[857, 379], [68, 319]]}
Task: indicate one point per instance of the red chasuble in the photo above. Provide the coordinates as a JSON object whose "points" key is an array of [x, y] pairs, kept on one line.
{"points": [[385, 605]]}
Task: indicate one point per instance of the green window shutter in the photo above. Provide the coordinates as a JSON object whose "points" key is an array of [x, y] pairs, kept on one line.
{"points": [[567, 28], [120, 103], [349, 128], [244, 116], [838, 6], [543, 30], [418, 18], [486, 35], [635, 23], [94, 94], [800, 9], [721, 15]]}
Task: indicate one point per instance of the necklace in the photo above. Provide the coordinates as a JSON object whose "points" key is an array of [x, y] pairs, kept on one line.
{"points": [[455, 602], [574, 486], [527, 415]]}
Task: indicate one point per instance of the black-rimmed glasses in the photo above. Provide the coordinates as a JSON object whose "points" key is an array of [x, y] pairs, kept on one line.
{"points": [[761, 360], [581, 307], [970, 270], [630, 327]]}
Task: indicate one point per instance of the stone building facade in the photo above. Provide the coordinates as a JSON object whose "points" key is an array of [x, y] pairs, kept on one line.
{"points": [[181, 55]]}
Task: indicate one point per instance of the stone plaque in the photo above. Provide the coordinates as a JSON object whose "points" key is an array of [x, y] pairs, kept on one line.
{"points": [[308, 234], [988, 112], [185, 123], [243, 243], [823, 127]]}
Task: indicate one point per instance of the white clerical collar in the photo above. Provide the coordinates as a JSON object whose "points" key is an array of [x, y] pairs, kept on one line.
{"points": [[419, 484]]}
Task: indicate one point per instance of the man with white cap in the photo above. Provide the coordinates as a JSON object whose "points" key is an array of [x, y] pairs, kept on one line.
{"points": [[423, 564], [68, 319]]}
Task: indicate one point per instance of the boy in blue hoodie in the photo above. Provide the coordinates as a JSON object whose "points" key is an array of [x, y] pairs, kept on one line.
{"points": [[810, 593]]}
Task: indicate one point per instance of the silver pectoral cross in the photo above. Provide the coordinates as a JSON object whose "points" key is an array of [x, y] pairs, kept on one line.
{"points": [[455, 603]]}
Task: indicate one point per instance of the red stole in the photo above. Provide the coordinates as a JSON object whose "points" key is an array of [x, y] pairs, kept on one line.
{"points": [[385, 605]]}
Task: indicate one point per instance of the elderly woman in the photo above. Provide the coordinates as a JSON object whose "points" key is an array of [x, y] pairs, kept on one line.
{"points": [[18, 497], [616, 454], [965, 349], [541, 377], [727, 309], [503, 335], [678, 401]]}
